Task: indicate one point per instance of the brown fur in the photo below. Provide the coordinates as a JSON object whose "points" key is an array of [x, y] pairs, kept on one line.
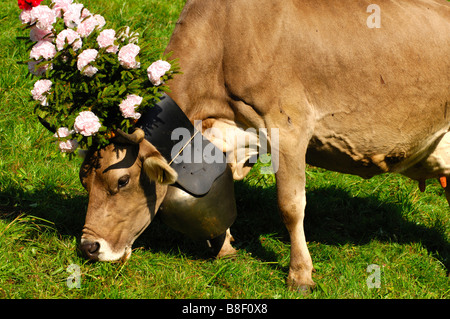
{"points": [[344, 96], [119, 215]]}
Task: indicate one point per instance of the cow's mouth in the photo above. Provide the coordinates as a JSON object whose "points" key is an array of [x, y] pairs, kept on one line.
{"points": [[100, 250]]}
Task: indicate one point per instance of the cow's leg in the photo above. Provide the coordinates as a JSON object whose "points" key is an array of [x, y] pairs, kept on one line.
{"points": [[291, 180], [221, 245]]}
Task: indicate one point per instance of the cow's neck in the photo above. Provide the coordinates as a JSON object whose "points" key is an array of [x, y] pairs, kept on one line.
{"points": [[196, 42], [201, 91]]}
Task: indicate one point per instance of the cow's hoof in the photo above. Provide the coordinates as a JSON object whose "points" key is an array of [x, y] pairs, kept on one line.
{"points": [[221, 246], [302, 287], [226, 251]]}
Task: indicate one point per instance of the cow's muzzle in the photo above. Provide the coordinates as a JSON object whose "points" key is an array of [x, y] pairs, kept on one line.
{"points": [[90, 249], [98, 249]]}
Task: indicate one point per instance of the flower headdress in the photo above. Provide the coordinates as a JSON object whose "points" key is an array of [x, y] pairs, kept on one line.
{"points": [[91, 81]]}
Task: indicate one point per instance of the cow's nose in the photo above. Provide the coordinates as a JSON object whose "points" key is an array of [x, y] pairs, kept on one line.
{"points": [[90, 249]]}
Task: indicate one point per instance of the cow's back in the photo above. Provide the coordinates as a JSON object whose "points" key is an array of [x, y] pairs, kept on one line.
{"points": [[381, 96]]}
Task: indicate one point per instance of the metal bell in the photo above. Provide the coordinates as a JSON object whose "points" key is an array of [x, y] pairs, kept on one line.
{"points": [[201, 217]]}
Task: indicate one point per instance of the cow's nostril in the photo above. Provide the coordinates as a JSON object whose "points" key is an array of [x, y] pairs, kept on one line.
{"points": [[94, 247], [90, 249]]}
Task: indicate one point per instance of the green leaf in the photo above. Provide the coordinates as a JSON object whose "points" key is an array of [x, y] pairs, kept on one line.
{"points": [[122, 89]]}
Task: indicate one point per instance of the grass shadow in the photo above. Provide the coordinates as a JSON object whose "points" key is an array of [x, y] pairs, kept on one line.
{"points": [[332, 217], [65, 213]]}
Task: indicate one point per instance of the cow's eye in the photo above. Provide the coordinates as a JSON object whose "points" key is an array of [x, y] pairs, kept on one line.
{"points": [[123, 181]]}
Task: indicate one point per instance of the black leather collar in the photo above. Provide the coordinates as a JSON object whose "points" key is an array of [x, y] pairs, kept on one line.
{"points": [[196, 175]]}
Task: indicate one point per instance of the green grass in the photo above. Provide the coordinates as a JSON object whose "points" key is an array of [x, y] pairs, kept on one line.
{"points": [[350, 222]]}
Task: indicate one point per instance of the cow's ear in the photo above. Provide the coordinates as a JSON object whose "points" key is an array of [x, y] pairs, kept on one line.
{"points": [[155, 165], [158, 170]]}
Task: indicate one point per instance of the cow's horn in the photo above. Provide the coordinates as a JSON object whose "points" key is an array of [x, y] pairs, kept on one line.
{"points": [[134, 138], [47, 125]]}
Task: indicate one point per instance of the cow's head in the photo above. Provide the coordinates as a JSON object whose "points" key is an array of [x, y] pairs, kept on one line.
{"points": [[126, 182]]}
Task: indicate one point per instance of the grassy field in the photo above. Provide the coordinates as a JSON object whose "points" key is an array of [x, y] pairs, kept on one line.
{"points": [[351, 223]]}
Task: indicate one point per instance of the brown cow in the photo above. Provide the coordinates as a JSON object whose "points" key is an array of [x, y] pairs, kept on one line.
{"points": [[350, 87]]}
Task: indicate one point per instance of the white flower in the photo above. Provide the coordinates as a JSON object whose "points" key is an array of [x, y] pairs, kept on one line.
{"points": [[61, 6], [128, 105], [156, 70], [127, 56], [84, 59], [72, 16], [106, 39], [100, 21], [71, 37], [37, 34], [40, 90], [63, 132], [43, 49], [86, 27], [68, 146], [25, 16], [87, 123], [43, 16], [38, 71]]}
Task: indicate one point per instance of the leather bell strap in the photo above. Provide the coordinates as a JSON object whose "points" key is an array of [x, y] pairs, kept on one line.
{"points": [[197, 170]]}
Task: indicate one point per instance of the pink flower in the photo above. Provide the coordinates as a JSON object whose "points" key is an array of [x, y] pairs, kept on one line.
{"points": [[68, 146], [128, 105], [127, 56], [38, 71], [106, 39], [86, 27], [43, 49], [41, 87], [72, 15], [100, 21], [86, 57], [87, 123], [63, 132], [68, 36], [43, 16], [37, 34], [25, 16], [61, 6], [85, 13], [156, 70], [65, 146]]}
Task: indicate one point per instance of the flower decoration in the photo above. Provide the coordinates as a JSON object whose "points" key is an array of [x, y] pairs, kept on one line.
{"points": [[43, 49], [128, 106], [28, 4], [91, 82], [127, 56], [106, 40], [43, 17], [40, 90], [70, 37], [85, 60], [87, 123], [156, 70]]}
